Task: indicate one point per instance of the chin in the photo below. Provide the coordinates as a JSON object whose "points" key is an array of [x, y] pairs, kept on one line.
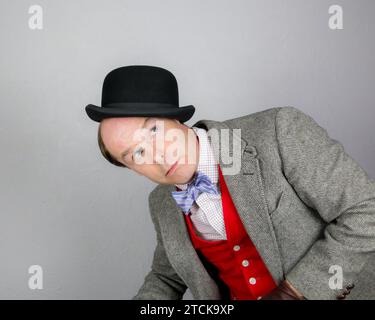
{"points": [[173, 180], [178, 178], [183, 180]]}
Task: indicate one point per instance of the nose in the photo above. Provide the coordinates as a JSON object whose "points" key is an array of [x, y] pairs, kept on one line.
{"points": [[158, 153], [154, 152], [158, 158]]}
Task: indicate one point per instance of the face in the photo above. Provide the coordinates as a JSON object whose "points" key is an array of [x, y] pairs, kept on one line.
{"points": [[161, 149]]}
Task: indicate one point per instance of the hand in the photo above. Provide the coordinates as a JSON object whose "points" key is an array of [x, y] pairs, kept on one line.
{"points": [[285, 291]]}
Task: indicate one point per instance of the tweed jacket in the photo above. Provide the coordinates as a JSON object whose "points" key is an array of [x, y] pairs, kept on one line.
{"points": [[308, 207]]}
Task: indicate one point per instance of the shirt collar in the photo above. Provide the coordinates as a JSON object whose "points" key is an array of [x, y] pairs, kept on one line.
{"points": [[206, 163]]}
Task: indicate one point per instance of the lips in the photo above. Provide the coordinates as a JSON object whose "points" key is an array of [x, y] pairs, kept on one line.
{"points": [[172, 169]]}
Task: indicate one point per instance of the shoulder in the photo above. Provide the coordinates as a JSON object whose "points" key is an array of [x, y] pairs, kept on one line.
{"points": [[155, 201], [157, 196], [267, 122], [257, 128], [292, 124], [266, 116], [289, 114]]}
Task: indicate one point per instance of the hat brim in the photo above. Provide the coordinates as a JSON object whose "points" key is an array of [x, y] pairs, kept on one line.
{"points": [[182, 114]]}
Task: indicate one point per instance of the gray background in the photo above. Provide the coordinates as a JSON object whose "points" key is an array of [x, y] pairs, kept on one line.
{"points": [[85, 221]]}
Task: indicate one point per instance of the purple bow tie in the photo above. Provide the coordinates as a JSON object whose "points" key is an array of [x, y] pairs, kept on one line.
{"points": [[186, 198]]}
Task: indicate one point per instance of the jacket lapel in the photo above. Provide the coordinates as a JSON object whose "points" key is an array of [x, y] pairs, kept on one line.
{"points": [[181, 252], [247, 193]]}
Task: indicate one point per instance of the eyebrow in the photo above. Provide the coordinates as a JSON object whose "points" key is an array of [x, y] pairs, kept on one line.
{"points": [[128, 149]]}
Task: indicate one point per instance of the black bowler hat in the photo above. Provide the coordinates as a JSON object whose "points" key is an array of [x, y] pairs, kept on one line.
{"points": [[140, 91]]}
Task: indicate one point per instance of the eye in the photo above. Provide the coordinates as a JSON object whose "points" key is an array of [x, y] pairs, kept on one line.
{"points": [[138, 152]]}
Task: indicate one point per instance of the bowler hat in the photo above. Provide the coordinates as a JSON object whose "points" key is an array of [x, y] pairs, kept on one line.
{"points": [[140, 91]]}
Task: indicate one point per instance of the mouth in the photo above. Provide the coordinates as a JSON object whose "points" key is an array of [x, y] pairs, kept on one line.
{"points": [[172, 169]]}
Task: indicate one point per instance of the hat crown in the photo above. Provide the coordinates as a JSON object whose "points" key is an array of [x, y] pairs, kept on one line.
{"points": [[140, 84], [140, 91]]}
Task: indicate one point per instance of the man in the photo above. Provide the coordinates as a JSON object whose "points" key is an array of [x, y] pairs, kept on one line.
{"points": [[294, 220]]}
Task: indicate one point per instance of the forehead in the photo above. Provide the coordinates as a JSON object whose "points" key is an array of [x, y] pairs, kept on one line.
{"points": [[117, 133]]}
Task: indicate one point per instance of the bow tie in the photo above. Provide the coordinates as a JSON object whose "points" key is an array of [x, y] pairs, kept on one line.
{"points": [[200, 184]]}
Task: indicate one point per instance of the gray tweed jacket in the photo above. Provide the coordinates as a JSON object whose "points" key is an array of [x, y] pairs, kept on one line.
{"points": [[308, 207]]}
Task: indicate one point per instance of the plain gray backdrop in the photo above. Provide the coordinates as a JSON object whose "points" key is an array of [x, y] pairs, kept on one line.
{"points": [[85, 221]]}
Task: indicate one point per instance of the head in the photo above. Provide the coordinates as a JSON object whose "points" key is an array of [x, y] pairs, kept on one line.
{"points": [[161, 149]]}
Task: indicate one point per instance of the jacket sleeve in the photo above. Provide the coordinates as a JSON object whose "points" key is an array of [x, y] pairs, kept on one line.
{"points": [[328, 180], [162, 282]]}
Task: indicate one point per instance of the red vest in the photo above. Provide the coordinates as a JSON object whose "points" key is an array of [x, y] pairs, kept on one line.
{"points": [[237, 260]]}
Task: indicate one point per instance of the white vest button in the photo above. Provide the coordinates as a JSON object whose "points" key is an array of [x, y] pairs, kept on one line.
{"points": [[245, 263]]}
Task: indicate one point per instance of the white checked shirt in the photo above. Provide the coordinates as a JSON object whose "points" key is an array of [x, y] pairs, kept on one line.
{"points": [[206, 211]]}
